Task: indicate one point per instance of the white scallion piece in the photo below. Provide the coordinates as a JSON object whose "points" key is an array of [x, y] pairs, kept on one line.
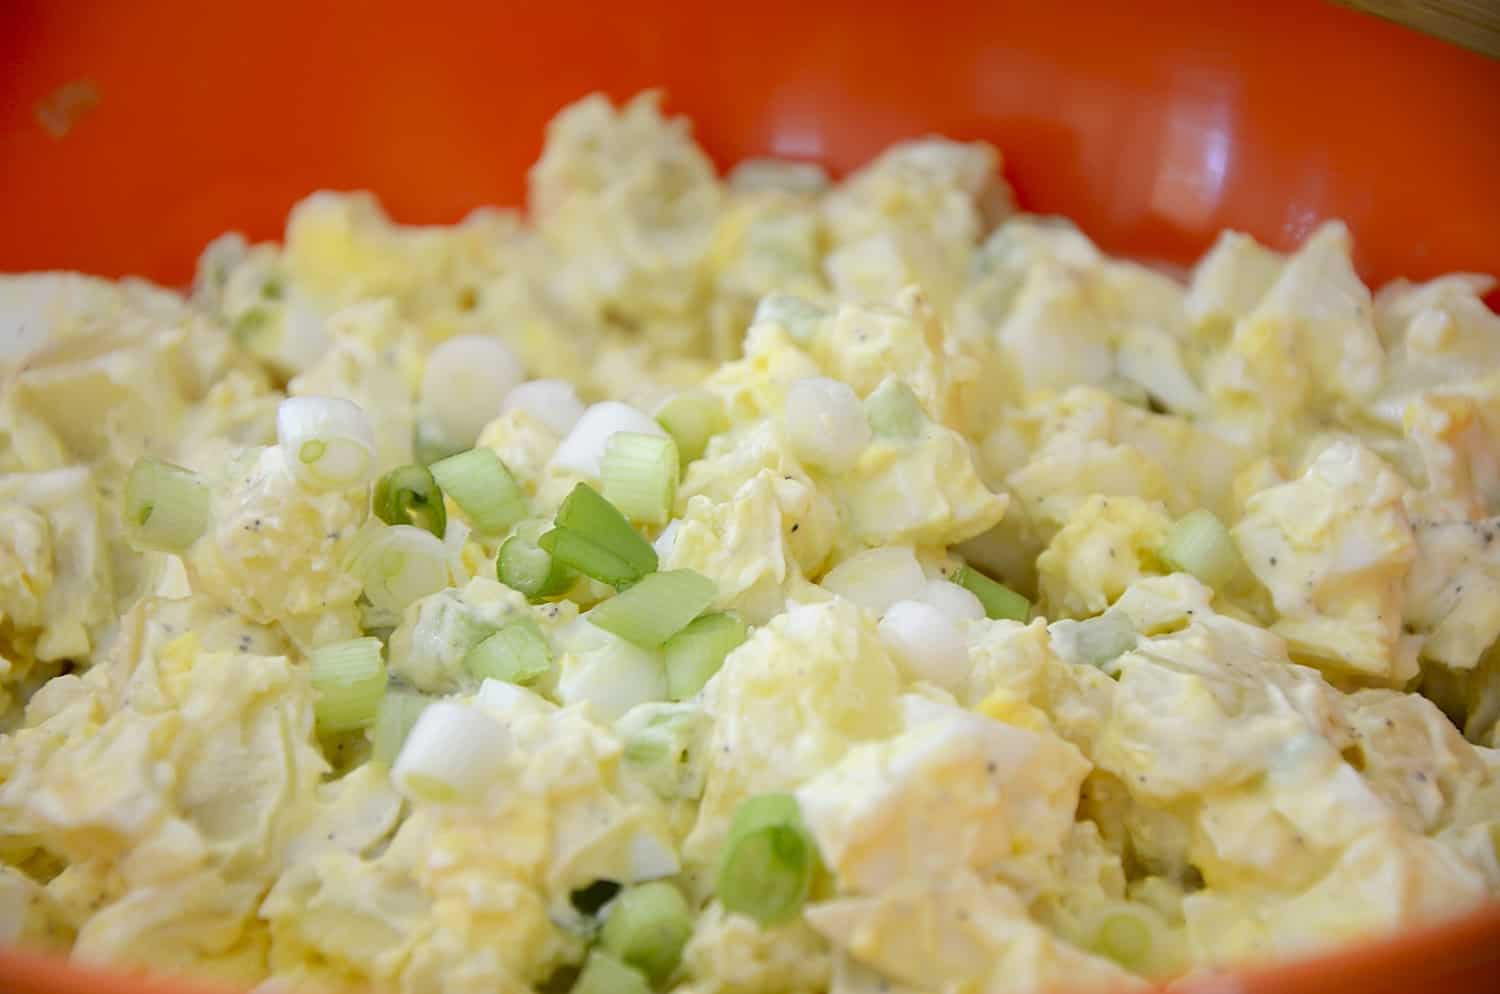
{"points": [[554, 403], [327, 442], [166, 506], [607, 671], [953, 600], [878, 578], [927, 644], [401, 563], [825, 423], [451, 753], [667, 540], [465, 385], [511, 700], [583, 450]]}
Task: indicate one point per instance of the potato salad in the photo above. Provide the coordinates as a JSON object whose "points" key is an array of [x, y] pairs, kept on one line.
{"points": [[754, 584]]}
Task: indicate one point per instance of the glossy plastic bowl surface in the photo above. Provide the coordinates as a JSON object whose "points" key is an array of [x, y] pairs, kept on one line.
{"points": [[1154, 124]]}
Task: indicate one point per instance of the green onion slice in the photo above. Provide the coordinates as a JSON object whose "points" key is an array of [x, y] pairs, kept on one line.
{"points": [[1103, 639], [166, 506], [656, 608], [603, 974], [577, 553], [1000, 602], [1198, 543], [593, 537], [400, 564], [1125, 936], [524, 566], [517, 653], [397, 712], [408, 495], [481, 485], [692, 417], [647, 927], [769, 860], [695, 654], [640, 475], [664, 745], [894, 411], [349, 678]]}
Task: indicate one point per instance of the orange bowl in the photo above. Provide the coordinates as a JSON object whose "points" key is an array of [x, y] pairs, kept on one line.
{"points": [[1152, 124]]}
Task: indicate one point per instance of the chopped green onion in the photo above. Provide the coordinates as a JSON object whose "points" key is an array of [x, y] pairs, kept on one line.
{"points": [[640, 475], [400, 564], [692, 417], [328, 442], [1103, 639], [603, 974], [695, 654], [480, 484], [349, 678], [1000, 602], [574, 552], [894, 411], [524, 566], [596, 519], [1200, 544], [593, 537], [374, 620], [663, 745], [394, 717], [517, 653], [656, 608], [769, 860], [166, 506], [1125, 937], [647, 927], [582, 451], [408, 495]]}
